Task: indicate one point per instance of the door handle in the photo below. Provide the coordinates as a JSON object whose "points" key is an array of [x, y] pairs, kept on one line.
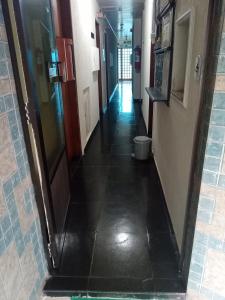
{"points": [[54, 72]]}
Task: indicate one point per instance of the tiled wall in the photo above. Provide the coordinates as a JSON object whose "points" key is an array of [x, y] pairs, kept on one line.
{"points": [[207, 274], [22, 262]]}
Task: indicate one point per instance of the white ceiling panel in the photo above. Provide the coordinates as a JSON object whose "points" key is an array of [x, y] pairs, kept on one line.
{"points": [[120, 14]]}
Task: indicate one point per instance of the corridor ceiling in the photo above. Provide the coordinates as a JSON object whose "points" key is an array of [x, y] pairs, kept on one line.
{"points": [[120, 14]]}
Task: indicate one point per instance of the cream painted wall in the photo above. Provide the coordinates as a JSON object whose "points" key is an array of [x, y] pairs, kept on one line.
{"points": [[83, 21], [174, 127], [146, 50]]}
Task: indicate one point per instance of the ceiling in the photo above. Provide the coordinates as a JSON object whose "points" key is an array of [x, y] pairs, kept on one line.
{"points": [[120, 14]]}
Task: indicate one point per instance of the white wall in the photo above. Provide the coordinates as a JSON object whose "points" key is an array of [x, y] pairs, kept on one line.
{"points": [[137, 41], [174, 127], [146, 50], [83, 21]]}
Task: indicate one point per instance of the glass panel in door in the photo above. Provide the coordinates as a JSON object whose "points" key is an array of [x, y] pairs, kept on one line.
{"points": [[43, 58]]}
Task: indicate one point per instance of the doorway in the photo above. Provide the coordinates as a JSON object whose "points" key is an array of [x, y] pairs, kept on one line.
{"points": [[125, 63], [98, 45]]}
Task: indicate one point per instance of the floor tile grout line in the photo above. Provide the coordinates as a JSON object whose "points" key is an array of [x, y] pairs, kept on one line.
{"points": [[92, 259]]}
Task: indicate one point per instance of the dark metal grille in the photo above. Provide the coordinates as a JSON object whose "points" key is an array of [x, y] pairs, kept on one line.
{"points": [[124, 64]]}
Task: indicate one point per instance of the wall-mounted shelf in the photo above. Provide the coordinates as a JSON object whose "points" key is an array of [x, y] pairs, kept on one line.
{"points": [[163, 50], [155, 95]]}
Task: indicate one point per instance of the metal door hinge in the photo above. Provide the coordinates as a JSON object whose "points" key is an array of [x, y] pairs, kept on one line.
{"points": [[50, 250], [52, 255], [29, 111]]}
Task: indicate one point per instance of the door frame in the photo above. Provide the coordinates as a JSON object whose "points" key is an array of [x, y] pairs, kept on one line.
{"points": [[30, 123], [98, 45], [32, 130], [106, 65], [199, 145]]}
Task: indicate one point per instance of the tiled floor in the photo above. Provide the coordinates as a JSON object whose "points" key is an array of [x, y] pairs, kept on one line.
{"points": [[118, 235]]}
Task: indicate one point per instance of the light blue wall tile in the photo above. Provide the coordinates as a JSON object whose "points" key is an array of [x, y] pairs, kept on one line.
{"points": [[218, 117], [3, 69], [201, 239], [7, 188], [216, 134], [2, 246], [8, 237], [26, 238], [20, 246], [197, 268], [222, 181], [212, 164], [206, 203], [196, 277], [219, 100], [198, 257], [193, 285], [2, 51], [209, 178], [2, 105], [204, 216], [7, 50], [222, 46], [20, 160], [6, 223], [214, 149], [9, 104], [23, 172], [12, 118], [17, 146], [16, 179], [1, 16], [10, 69], [16, 225], [221, 64], [14, 132]]}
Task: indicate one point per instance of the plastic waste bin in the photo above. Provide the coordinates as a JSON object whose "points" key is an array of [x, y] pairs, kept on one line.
{"points": [[142, 147]]}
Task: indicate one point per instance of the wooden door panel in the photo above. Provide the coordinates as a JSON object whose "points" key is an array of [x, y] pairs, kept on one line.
{"points": [[60, 191], [69, 92]]}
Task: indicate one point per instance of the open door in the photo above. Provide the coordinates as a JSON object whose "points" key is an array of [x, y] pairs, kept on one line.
{"points": [[61, 14], [41, 68]]}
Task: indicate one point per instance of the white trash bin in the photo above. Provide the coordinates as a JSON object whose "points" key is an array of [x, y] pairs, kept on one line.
{"points": [[142, 147]]}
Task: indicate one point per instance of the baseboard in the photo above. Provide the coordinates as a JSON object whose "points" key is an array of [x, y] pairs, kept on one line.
{"points": [[172, 232], [90, 137], [115, 88]]}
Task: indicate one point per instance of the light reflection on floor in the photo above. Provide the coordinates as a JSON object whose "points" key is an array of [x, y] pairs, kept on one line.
{"points": [[125, 91]]}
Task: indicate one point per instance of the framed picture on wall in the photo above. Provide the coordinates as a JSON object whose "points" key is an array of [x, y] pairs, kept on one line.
{"points": [[167, 29], [157, 8]]}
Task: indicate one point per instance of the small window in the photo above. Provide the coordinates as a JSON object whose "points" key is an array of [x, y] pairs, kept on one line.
{"points": [[181, 56]]}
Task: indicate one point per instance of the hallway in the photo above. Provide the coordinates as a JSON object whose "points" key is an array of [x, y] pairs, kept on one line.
{"points": [[118, 235]]}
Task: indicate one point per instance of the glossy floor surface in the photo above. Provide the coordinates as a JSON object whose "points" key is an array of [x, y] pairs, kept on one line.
{"points": [[118, 235]]}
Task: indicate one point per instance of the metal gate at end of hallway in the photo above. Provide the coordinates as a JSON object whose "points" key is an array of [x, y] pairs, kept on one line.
{"points": [[124, 63]]}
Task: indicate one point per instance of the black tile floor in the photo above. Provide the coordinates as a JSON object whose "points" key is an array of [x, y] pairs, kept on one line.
{"points": [[118, 236]]}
